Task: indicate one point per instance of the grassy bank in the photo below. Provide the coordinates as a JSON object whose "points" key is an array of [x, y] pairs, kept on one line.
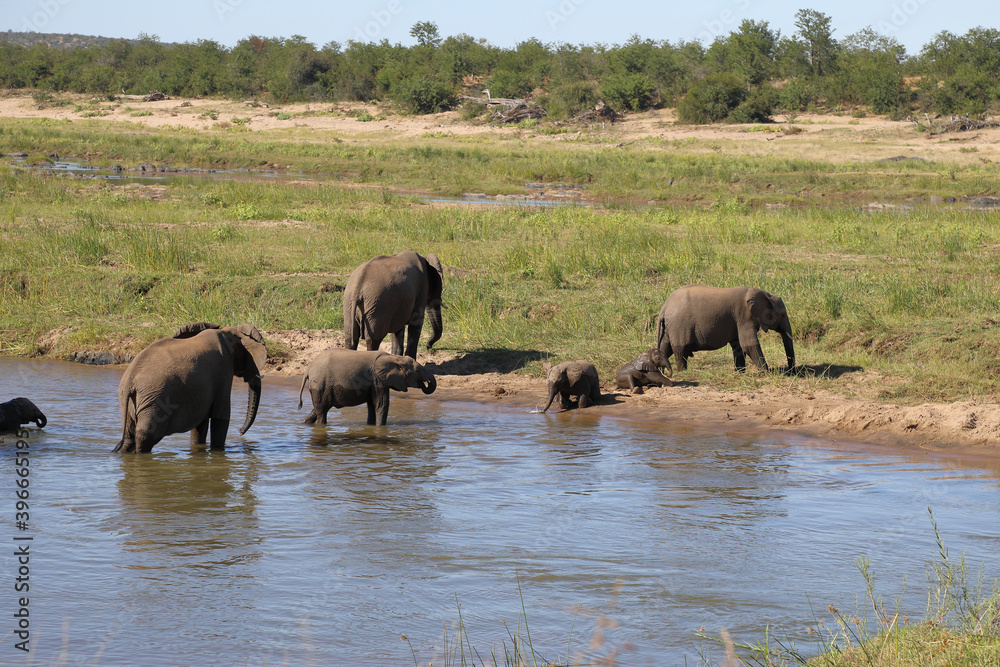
{"points": [[908, 294]]}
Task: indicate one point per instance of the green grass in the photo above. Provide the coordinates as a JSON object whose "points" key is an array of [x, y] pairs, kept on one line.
{"points": [[910, 296]]}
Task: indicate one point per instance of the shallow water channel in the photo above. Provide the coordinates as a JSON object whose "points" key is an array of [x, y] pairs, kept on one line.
{"points": [[303, 545]]}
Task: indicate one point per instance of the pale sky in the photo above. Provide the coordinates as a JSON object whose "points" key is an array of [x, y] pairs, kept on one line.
{"points": [[912, 22]]}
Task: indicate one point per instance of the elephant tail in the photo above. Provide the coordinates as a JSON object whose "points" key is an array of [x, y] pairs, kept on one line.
{"points": [[305, 378], [129, 400], [358, 322]]}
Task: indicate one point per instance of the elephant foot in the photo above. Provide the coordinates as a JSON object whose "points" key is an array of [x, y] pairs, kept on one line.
{"points": [[637, 390]]}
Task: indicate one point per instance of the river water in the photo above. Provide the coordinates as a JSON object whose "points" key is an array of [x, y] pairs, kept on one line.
{"points": [[311, 545]]}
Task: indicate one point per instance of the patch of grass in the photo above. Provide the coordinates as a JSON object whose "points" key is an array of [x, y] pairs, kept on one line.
{"points": [[137, 114]]}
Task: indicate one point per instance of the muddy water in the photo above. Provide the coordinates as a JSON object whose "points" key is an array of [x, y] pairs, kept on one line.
{"points": [[303, 545]]}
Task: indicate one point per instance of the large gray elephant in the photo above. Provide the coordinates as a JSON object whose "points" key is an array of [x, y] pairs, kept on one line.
{"points": [[19, 411], [391, 295], [697, 317], [644, 371], [341, 378], [573, 378], [184, 383]]}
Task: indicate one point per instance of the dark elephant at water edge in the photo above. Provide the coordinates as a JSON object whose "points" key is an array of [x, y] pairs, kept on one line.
{"points": [[19, 411], [185, 383], [573, 378], [391, 296], [698, 317]]}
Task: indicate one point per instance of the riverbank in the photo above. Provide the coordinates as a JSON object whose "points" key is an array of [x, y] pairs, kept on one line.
{"points": [[966, 428], [887, 265]]}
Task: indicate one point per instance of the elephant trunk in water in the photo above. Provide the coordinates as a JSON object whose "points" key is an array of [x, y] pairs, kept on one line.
{"points": [[428, 383], [434, 315], [253, 402], [41, 420]]}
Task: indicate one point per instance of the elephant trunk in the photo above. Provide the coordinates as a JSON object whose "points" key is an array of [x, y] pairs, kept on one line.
{"points": [[428, 383], [253, 402], [786, 338], [434, 315], [41, 420]]}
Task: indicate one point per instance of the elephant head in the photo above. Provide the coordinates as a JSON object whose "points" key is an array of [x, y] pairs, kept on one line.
{"points": [[249, 357], [400, 372], [435, 286], [769, 312]]}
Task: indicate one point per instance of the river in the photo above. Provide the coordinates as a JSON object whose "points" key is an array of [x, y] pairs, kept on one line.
{"points": [[325, 545]]}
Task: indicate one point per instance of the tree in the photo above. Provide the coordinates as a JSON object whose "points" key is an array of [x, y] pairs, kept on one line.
{"points": [[817, 35], [426, 33], [751, 51]]}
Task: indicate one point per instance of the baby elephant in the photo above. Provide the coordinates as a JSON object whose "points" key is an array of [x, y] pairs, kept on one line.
{"points": [[340, 377], [574, 378], [19, 411], [644, 371]]}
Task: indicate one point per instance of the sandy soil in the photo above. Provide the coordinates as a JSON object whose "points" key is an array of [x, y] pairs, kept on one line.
{"points": [[965, 427], [834, 138], [968, 428]]}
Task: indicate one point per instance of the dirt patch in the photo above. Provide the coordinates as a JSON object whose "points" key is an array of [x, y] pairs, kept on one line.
{"points": [[963, 427]]}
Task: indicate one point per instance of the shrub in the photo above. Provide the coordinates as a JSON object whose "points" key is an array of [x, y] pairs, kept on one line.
{"points": [[421, 95], [711, 99], [631, 92], [569, 99], [756, 108], [505, 83]]}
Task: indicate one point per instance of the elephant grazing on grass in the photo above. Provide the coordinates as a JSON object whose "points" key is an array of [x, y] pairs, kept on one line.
{"points": [[391, 295], [184, 383], [340, 378], [19, 411], [697, 317]]}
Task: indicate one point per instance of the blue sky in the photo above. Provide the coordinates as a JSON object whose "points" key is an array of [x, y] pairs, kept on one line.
{"points": [[912, 22]]}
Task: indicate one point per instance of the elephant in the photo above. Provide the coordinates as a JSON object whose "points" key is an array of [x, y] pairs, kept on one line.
{"points": [[697, 317], [391, 295], [185, 383], [644, 370], [19, 411], [573, 378], [340, 377]]}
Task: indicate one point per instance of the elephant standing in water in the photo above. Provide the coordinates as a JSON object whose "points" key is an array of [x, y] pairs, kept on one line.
{"points": [[391, 295], [697, 317], [340, 378], [19, 411], [184, 383], [644, 371], [573, 378]]}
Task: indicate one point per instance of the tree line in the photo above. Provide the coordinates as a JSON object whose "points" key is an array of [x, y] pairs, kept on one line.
{"points": [[744, 76]]}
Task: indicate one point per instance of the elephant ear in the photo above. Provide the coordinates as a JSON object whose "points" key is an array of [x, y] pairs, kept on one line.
{"points": [[388, 371], [189, 330], [253, 343], [762, 309], [435, 278]]}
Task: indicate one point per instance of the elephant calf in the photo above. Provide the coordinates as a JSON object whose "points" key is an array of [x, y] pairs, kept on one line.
{"points": [[644, 371], [573, 378], [340, 378], [19, 411]]}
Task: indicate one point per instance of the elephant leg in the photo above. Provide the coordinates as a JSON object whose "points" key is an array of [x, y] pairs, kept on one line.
{"points": [[311, 417], [379, 408], [199, 434], [739, 357], [372, 343], [412, 339], [219, 429], [145, 435], [397, 342], [681, 360], [564, 400], [635, 383], [657, 378]]}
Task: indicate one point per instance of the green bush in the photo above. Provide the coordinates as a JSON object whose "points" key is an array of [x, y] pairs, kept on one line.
{"points": [[797, 95], [629, 92], [569, 99], [756, 108], [712, 99], [505, 83], [420, 95]]}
